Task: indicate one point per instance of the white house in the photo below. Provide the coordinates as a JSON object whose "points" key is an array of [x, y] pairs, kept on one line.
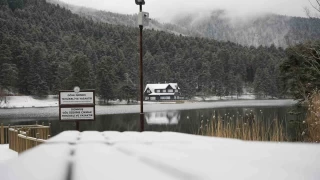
{"points": [[167, 91]]}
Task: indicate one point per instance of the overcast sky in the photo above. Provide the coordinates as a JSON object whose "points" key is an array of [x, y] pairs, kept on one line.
{"points": [[166, 10]]}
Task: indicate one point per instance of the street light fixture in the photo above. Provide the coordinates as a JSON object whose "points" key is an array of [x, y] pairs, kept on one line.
{"points": [[143, 20], [140, 2]]}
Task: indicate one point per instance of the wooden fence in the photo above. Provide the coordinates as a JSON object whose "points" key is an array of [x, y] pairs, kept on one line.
{"points": [[24, 137]]}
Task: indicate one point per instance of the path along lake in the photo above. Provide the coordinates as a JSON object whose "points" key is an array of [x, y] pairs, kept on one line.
{"points": [[184, 118]]}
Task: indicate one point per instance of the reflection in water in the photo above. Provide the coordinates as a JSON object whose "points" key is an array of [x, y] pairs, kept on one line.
{"points": [[185, 121], [162, 118]]}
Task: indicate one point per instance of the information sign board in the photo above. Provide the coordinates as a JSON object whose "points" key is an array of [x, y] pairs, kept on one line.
{"points": [[78, 113], [76, 98], [77, 105]]}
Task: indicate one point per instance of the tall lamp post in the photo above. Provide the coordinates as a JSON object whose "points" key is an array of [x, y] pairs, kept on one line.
{"points": [[143, 20]]}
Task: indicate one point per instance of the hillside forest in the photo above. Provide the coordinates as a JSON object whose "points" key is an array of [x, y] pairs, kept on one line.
{"points": [[45, 48]]}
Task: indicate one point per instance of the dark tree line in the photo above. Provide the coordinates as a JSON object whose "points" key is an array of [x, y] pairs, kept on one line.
{"points": [[301, 70], [45, 48]]}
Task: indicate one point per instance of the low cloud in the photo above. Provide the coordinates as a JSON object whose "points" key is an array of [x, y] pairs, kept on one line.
{"points": [[165, 11]]}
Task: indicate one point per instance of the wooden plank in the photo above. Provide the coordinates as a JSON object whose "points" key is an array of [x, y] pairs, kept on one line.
{"points": [[2, 134], [109, 157]]}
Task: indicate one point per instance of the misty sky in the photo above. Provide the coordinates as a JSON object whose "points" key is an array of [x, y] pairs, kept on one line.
{"points": [[166, 10]]}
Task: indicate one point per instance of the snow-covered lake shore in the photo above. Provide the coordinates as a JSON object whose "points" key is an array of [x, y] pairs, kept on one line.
{"points": [[11, 102], [53, 112]]}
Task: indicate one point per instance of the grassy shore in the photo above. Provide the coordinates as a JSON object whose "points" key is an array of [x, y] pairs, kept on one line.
{"points": [[312, 122], [249, 127]]}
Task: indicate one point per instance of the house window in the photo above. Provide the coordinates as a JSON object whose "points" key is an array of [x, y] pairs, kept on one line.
{"points": [[170, 90], [157, 91], [148, 91], [165, 97], [164, 91], [177, 90]]}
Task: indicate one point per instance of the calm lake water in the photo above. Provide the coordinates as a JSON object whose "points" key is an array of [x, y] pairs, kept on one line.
{"points": [[167, 119]]}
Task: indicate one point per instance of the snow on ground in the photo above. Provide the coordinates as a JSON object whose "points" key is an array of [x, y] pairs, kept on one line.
{"points": [[218, 98], [6, 154], [50, 101], [28, 101], [164, 155]]}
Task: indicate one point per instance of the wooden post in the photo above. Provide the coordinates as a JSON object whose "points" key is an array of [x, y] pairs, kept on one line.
{"points": [[49, 128], [78, 125], [2, 134], [8, 134], [17, 142], [26, 147], [37, 137]]}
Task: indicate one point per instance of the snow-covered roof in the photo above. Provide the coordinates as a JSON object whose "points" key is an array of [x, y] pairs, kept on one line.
{"points": [[174, 85], [161, 155], [162, 94], [152, 87]]}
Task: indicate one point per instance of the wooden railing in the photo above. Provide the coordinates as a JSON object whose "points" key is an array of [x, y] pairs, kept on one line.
{"points": [[24, 137], [25, 142], [4, 134]]}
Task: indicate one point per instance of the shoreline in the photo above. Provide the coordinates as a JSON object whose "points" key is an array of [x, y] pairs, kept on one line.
{"points": [[53, 112]]}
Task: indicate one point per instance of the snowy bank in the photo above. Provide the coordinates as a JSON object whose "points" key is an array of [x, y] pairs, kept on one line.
{"points": [[6, 154], [53, 112], [52, 101], [228, 98], [28, 101], [159, 156]]}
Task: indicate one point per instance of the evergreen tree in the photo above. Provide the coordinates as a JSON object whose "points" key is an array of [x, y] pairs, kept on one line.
{"points": [[3, 2], [239, 85], [301, 70], [258, 83], [15, 4], [8, 76], [80, 72], [104, 80]]}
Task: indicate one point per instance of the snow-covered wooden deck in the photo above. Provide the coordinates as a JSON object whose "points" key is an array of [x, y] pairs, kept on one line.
{"points": [[150, 155]]}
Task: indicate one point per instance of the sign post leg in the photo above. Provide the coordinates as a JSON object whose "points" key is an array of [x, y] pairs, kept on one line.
{"points": [[78, 125]]}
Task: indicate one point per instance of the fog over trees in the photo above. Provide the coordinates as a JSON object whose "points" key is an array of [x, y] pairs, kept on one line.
{"points": [[262, 29]]}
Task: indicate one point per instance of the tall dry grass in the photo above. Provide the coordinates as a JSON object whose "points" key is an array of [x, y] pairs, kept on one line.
{"points": [[312, 131], [248, 127]]}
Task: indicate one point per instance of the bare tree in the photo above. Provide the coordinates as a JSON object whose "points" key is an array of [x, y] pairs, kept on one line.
{"points": [[315, 4], [2, 95]]}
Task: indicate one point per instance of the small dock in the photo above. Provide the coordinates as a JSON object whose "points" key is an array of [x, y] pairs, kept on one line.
{"points": [[74, 155]]}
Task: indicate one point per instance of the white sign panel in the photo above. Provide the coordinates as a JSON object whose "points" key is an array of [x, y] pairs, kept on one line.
{"points": [[77, 113], [76, 98]]}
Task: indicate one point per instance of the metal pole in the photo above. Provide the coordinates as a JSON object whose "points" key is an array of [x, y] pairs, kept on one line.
{"points": [[141, 80]]}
